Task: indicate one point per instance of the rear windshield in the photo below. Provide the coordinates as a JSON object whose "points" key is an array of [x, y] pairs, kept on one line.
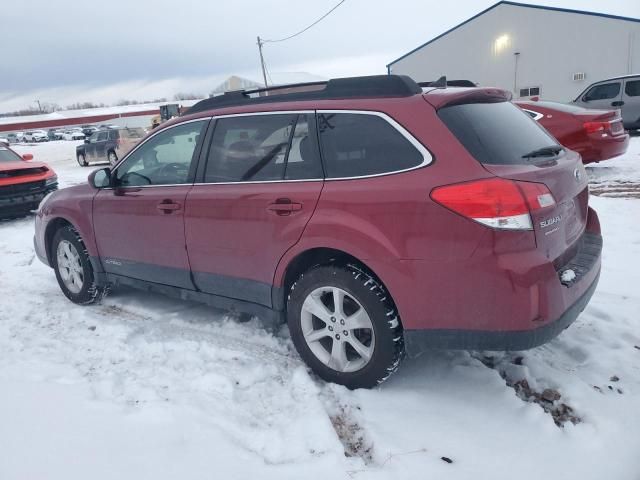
{"points": [[496, 133], [7, 156]]}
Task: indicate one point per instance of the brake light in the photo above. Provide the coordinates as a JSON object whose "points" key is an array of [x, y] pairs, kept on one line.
{"points": [[496, 202], [595, 127]]}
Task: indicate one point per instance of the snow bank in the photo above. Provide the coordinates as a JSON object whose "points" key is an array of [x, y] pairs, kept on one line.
{"points": [[142, 386]]}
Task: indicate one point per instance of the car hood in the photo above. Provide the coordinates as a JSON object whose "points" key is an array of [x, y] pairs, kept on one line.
{"points": [[20, 165]]}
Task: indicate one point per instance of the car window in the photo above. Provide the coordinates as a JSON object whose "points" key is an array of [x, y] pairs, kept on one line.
{"points": [[165, 159], [113, 134], [632, 88], [605, 91], [356, 145], [102, 136], [250, 148], [303, 161], [495, 133]]}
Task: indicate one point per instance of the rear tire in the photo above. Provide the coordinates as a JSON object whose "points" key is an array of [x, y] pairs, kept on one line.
{"points": [[358, 344], [73, 268], [113, 158], [82, 160]]}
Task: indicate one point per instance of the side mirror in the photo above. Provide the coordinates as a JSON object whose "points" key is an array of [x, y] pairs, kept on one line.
{"points": [[100, 178], [27, 157]]}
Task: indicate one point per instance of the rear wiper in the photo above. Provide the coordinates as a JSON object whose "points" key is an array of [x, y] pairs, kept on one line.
{"points": [[544, 152]]}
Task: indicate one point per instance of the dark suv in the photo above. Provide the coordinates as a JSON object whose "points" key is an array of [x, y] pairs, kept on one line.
{"points": [[376, 217], [108, 145]]}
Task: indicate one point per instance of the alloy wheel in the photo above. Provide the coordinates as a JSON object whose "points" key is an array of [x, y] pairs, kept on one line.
{"points": [[337, 329]]}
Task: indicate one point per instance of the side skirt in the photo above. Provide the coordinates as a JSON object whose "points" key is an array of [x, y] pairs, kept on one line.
{"points": [[271, 318]]}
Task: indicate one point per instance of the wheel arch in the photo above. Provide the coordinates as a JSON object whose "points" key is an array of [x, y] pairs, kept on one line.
{"points": [[309, 258], [52, 227]]}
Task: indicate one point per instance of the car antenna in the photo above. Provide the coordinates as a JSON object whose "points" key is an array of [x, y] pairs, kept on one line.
{"points": [[440, 83]]}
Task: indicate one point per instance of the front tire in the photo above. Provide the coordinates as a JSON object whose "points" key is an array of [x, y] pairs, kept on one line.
{"points": [[73, 269], [345, 326], [113, 158]]}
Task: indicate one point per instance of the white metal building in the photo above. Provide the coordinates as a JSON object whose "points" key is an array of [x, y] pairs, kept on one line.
{"points": [[531, 50]]}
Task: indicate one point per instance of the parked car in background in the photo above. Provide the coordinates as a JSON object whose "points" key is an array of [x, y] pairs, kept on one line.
{"points": [[73, 134], [107, 125], [375, 218], [108, 145], [595, 134], [88, 130], [4, 141], [23, 183], [15, 137], [35, 136], [618, 92], [54, 134]]}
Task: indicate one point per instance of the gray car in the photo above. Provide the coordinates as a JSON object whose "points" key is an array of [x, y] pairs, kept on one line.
{"points": [[619, 92]]}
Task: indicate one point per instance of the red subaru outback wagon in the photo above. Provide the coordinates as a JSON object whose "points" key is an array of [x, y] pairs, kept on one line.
{"points": [[376, 217]]}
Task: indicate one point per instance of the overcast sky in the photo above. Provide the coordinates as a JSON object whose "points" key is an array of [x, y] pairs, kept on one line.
{"points": [[69, 51]]}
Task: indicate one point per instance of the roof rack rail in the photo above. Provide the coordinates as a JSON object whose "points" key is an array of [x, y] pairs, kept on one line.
{"points": [[338, 88], [448, 83]]}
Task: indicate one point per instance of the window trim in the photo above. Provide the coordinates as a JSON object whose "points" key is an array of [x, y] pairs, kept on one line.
{"points": [[427, 157]]}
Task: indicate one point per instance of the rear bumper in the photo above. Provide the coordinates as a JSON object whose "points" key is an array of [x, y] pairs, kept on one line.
{"points": [[417, 341], [604, 148]]}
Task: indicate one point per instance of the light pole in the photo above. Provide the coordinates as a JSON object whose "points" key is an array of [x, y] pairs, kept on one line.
{"points": [[515, 73], [39, 106]]}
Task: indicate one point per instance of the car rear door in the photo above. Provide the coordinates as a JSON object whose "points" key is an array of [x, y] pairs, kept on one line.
{"points": [[631, 103], [139, 223], [100, 147], [257, 190]]}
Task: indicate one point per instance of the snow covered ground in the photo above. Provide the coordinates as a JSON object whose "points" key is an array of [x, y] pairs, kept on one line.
{"points": [[144, 387]]}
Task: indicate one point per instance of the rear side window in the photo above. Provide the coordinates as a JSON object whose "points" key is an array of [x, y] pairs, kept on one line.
{"points": [[605, 91], [262, 148], [360, 144], [632, 89], [495, 133]]}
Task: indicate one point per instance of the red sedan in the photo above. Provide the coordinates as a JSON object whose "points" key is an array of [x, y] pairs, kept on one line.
{"points": [[23, 183], [595, 134]]}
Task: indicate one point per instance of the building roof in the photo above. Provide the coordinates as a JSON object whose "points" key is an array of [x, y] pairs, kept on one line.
{"points": [[515, 4]]}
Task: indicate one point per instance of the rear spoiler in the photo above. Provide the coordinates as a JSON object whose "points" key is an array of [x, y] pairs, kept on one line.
{"points": [[440, 98], [442, 82]]}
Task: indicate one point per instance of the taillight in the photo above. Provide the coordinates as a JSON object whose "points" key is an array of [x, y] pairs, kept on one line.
{"points": [[595, 127], [496, 202]]}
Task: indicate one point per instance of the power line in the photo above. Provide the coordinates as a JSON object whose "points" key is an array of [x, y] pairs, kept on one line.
{"points": [[307, 28]]}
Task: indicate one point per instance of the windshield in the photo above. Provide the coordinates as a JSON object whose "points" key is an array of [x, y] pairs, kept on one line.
{"points": [[496, 133], [7, 156]]}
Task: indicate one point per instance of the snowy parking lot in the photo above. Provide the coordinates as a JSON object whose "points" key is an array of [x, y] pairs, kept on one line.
{"points": [[141, 386]]}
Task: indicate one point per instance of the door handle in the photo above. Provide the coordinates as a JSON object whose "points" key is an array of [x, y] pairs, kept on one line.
{"points": [[284, 206], [617, 103], [168, 206]]}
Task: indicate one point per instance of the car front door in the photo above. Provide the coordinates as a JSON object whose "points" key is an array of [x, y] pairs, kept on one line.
{"points": [[256, 193], [139, 222], [606, 95], [631, 105]]}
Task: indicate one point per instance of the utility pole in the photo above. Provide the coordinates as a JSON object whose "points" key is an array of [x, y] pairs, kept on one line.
{"points": [[39, 106], [264, 70]]}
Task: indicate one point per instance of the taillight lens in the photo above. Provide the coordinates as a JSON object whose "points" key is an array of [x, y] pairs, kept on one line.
{"points": [[595, 127], [496, 202]]}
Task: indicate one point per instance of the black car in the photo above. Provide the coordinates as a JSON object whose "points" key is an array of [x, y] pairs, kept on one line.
{"points": [[89, 130], [108, 145]]}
